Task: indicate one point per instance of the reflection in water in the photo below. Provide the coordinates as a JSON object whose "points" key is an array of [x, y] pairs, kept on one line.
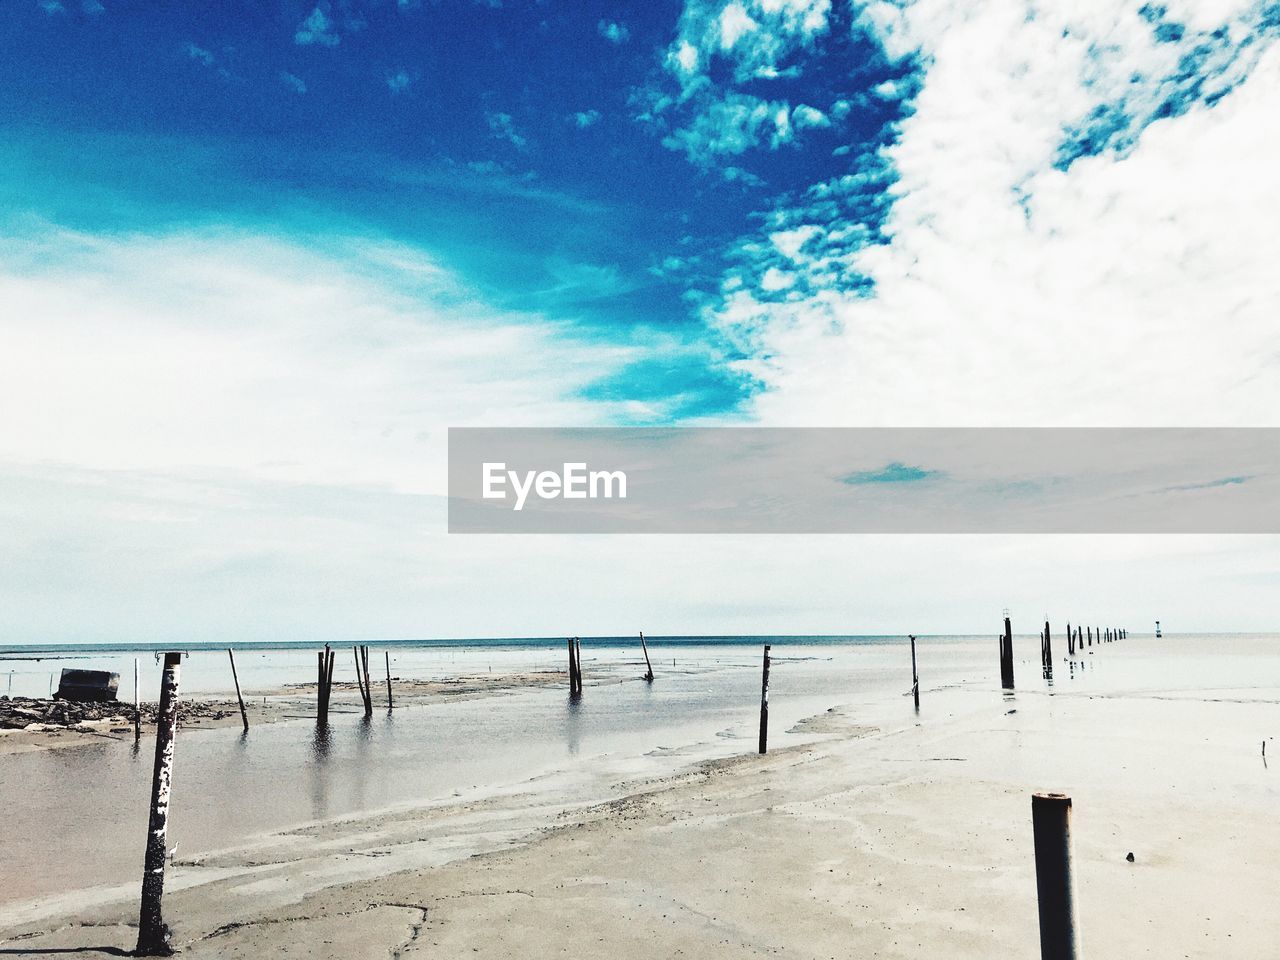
{"points": [[321, 747], [573, 725]]}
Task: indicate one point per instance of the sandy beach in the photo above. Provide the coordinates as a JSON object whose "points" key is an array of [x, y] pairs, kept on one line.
{"points": [[872, 835]]}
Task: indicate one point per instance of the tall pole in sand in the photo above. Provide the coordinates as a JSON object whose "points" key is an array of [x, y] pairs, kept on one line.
{"points": [[244, 717], [137, 706], [153, 934], [915, 678], [1055, 885], [648, 667], [764, 702], [387, 653]]}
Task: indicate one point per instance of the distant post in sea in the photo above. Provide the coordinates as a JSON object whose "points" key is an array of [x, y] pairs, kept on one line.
{"points": [[1071, 641], [648, 667], [764, 702], [915, 677], [1055, 884], [153, 934]]}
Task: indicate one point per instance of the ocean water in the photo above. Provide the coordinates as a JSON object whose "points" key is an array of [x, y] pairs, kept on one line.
{"points": [[77, 817]]}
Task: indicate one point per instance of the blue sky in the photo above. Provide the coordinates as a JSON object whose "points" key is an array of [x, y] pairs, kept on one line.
{"points": [[534, 148], [257, 257]]}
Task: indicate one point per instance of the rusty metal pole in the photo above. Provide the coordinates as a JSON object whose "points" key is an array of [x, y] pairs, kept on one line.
{"points": [[1055, 885], [153, 934], [764, 703]]}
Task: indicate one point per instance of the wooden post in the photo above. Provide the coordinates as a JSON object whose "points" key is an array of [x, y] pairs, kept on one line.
{"points": [[388, 655], [1089, 636], [137, 705], [1055, 885], [573, 671], [648, 667], [1006, 656], [153, 934], [244, 717], [1048, 646], [368, 682], [577, 657], [915, 677], [1071, 641], [764, 702]]}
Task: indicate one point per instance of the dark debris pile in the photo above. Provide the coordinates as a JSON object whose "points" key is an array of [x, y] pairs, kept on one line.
{"points": [[21, 712]]}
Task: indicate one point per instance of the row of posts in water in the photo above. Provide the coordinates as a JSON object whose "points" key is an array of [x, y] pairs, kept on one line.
{"points": [[1078, 639], [1051, 813]]}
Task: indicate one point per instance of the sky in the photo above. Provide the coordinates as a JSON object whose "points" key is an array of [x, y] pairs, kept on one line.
{"points": [[257, 257]]}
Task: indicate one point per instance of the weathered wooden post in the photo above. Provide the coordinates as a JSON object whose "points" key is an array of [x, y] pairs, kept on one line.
{"points": [[915, 677], [153, 934], [388, 656], [1055, 885], [577, 659], [573, 670], [648, 667], [1071, 641], [1048, 646], [137, 705], [1089, 636], [244, 717], [764, 702], [1006, 656]]}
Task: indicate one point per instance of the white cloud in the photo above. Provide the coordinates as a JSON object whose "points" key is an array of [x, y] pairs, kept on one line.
{"points": [[324, 360], [1081, 233], [615, 33], [316, 28], [293, 82], [399, 81], [586, 118]]}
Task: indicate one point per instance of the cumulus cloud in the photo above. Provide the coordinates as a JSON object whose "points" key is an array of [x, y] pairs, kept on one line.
{"points": [[1076, 226], [615, 33], [317, 28]]}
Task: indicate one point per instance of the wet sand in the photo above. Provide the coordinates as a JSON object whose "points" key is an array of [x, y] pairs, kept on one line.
{"points": [[897, 838]]}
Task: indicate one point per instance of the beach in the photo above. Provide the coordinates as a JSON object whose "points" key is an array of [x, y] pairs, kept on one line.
{"points": [[867, 830]]}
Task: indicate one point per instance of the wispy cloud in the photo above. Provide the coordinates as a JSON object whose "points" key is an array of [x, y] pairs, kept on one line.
{"points": [[585, 118], [51, 7], [399, 81], [503, 127], [317, 28], [615, 33], [293, 81], [891, 473], [199, 54]]}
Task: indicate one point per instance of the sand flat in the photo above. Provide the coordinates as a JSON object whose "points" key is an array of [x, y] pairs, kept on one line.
{"points": [[909, 839]]}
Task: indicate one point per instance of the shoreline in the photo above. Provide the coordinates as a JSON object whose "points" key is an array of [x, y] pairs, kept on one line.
{"points": [[292, 702], [882, 840]]}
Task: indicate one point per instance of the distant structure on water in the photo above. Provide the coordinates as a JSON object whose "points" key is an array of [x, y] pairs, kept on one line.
{"points": [[1157, 629]]}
